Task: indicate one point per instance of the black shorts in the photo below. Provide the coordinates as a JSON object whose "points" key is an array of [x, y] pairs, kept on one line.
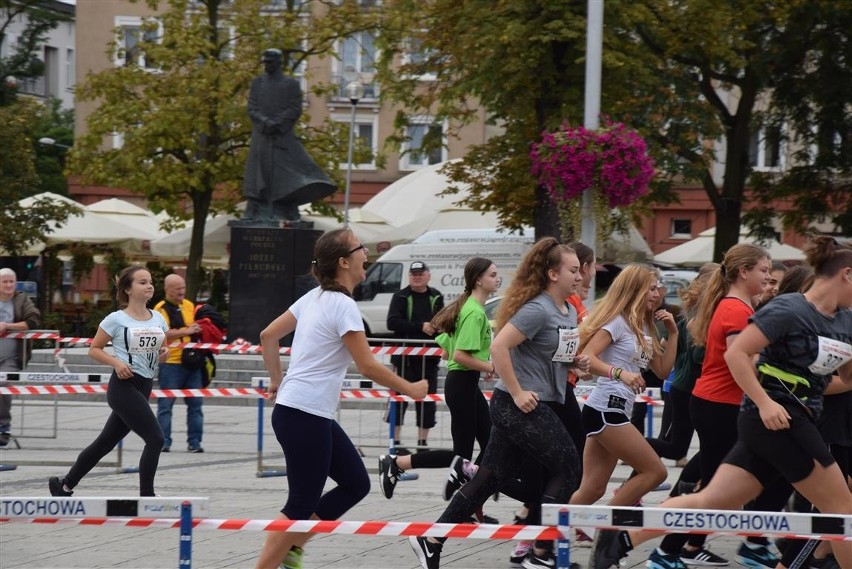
{"points": [[789, 453], [594, 421]]}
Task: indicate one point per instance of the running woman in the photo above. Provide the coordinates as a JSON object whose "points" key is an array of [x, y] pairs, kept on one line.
{"points": [[800, 341], [137, 334], [329, 334]]}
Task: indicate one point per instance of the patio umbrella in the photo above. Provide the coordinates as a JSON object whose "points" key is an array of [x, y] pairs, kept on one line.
{"points": [[698, 251]]}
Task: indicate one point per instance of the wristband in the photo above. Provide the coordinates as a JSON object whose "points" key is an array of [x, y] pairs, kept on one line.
{"points": [[609, 373], [616, 373]]}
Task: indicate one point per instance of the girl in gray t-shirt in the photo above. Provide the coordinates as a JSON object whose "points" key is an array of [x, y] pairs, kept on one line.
{"points": [[536, 342]]}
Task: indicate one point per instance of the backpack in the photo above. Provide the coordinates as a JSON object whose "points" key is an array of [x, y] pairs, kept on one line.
{"points": [[213, 331]]}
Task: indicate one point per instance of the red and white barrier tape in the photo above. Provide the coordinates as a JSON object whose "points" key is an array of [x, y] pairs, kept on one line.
{"points": [[472, 531], [234, 347], [352, 394]]}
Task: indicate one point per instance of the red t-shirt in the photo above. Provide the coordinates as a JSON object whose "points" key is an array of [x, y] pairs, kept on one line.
{"points": [[716, 382]]}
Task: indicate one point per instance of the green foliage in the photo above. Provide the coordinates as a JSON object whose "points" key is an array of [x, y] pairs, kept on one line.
{"points": [[522, 63], [55, 123], [667, 68], [184, 125], [22, 61], [702, 70], [23, 227]]}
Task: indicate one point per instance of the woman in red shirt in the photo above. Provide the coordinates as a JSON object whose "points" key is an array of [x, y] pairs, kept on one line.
{"points": [[722, 314]]}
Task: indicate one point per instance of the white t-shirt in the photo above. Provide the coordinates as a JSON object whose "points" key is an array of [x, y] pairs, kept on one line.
{"points": [[625, 352], [319, 358]]}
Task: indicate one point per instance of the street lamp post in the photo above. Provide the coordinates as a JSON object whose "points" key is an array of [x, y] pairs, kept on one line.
{"points": [[47, 141], [354, 91]]}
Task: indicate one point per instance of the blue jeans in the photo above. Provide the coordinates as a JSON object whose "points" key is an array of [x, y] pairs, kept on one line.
{"points": [[176, 376]]}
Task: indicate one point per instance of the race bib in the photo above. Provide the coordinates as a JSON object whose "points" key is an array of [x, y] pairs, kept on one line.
{"points": [[144, 340], [832, 354], [569, 341], [640, 357]]}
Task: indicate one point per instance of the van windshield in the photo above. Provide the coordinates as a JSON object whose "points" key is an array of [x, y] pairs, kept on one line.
{"points": [[381, 278]]}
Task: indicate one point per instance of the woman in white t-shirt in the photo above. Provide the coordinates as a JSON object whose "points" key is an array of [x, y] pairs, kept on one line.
{"points": [[619, 336], [137, 334], [329, 334]]}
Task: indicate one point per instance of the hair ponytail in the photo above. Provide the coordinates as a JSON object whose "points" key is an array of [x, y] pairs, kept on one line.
{"points": [[446, 319], [329, 248]]}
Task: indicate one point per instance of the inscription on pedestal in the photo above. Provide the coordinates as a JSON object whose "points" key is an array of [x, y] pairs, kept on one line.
{"points": [[269, 270]]}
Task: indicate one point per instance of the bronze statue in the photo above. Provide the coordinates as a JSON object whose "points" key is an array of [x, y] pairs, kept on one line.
{"points": [[280, 175]]}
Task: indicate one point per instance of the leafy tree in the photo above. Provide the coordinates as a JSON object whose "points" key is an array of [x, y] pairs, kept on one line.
{"points": [[55, 123], [23, 226], [184, 125], [522, 62], [22, 62], [668, 69], [729, 71]]}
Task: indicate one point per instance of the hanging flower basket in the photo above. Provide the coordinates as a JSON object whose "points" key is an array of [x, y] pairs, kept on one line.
{"points": [[613, 161]]}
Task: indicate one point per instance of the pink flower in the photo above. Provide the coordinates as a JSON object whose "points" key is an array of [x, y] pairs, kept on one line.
{"points": [[613, 160]]}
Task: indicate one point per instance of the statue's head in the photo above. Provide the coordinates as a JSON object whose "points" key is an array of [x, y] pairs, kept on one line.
{"points": [[272, 60]]}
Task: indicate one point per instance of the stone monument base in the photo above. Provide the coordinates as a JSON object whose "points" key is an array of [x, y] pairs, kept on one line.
{"points": [[269, 269]]}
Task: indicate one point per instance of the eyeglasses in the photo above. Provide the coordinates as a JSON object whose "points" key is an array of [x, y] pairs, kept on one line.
{"points": [[358, 248]]}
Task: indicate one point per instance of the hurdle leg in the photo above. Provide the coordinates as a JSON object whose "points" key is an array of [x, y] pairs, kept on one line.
{"points": [[563, 544], [185, 560]]}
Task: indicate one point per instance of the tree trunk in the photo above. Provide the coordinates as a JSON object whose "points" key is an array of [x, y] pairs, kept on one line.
{"points": [[545, 215], [200, 206], [727, 227]]}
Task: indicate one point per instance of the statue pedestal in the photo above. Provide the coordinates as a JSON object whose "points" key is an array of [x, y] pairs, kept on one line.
{"points": [[269, 268]]}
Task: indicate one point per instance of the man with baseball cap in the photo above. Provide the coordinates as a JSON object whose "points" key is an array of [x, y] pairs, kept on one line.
{"points": [[409, 316]]}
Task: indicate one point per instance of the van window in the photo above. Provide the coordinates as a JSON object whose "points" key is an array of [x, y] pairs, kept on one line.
{"points": [[381, 278]]}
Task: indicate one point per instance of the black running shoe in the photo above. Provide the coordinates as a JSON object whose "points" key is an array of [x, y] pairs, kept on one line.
{"points": [[55, 486], [702, 556], [388, 474], [429, 553], [456, 478], [610, 546]]}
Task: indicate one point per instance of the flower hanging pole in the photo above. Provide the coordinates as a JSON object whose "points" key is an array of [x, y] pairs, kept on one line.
{"points": [[592, 109]]}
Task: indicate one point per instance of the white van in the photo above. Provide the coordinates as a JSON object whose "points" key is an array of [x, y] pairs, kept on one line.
{"points": [[446, 263]]}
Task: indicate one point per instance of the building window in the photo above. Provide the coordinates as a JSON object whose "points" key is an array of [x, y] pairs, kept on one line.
{"points": [[765, 149], [366, 139], [424, 145], [681, 229], [131, 34], [415, 55], [70, 69], [357, 60]]}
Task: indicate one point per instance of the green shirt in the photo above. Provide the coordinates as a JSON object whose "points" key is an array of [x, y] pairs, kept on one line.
{"points": [[472, 335]]}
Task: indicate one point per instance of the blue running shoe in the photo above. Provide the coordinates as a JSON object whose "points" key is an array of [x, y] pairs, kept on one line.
{"points": [[659, 559], [756, 556]]}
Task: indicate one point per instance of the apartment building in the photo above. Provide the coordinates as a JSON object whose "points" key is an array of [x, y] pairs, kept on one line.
{"points": [[104, 21], [58, 54]]}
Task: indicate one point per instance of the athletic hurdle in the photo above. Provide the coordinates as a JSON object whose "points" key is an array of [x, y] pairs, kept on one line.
{"points": [[136, 512], [788, 525], [42, 380]]}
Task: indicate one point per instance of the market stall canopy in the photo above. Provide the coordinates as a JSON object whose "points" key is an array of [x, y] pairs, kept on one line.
{"points": [[698, 251]]}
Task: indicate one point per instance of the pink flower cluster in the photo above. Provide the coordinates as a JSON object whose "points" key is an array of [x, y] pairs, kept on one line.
{"points": [[613, 160]]}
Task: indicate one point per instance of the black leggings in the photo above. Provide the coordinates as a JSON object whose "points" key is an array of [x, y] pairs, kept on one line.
{"points": [[131, 411], [317, 449], [675, 443], [515, 437], [469, 418]]}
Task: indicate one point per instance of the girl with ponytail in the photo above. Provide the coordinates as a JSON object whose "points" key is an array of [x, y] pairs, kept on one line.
{"points": [[466, 340], [329, 334], [803, 343]]}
